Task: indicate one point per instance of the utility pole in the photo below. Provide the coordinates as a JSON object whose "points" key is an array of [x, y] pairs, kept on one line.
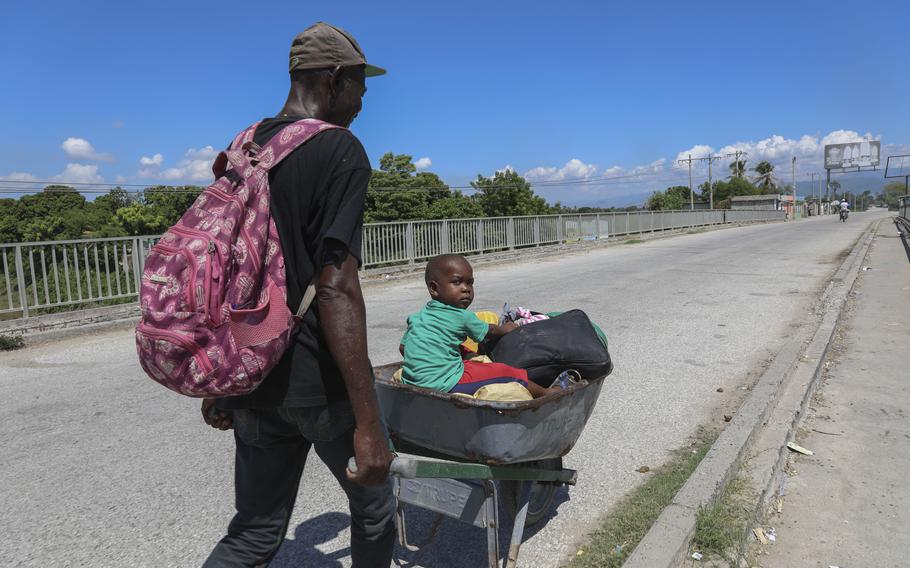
{"points": [[793, 177], [691, 193], [817, 204], [737, 154], [710, 185], [710, 159]]}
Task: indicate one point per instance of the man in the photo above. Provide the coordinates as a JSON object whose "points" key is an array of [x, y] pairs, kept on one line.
{"points": [[320, 394]]}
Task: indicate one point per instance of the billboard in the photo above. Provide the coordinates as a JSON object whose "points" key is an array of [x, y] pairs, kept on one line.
{"points": [[861, 154], [897, 166]]}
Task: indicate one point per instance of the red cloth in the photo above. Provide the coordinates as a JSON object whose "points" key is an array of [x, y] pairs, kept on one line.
{"points": [[477, 375]]}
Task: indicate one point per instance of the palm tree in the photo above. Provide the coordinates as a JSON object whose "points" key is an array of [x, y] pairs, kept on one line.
{"points": [[765, 178], [737, 169]]}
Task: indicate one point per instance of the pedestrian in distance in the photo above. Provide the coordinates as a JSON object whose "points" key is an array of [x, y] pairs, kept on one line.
{"points": [[320, 395]]}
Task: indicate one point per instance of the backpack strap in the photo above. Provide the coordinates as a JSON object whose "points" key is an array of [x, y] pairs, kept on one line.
{"points": [[289, 139], [277, 149], [219, 166], [308, 296]]}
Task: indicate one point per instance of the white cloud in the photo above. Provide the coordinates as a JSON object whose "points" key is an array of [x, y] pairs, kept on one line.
{"points": [[19, 176], [195, 166], [574, 169], [423, 163], [150, 165], [155, 160], [81, 149], [842, 136], [696, 151], [778, 150], [79, 173]]}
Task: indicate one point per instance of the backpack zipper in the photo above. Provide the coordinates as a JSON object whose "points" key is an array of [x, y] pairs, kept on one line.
{"points": [[190, 292], [198, 352]]}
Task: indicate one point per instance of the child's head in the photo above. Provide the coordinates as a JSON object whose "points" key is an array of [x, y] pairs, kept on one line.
{"points": [[450, 280]]}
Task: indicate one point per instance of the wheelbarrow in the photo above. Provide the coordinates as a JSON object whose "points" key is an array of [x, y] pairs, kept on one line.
{"points": [[461, 457]]}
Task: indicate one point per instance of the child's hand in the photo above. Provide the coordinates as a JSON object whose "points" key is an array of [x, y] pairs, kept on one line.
{"points": [[509, 326]]}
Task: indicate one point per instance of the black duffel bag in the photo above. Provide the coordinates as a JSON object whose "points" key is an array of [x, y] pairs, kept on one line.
{"points": [[549, 347]]}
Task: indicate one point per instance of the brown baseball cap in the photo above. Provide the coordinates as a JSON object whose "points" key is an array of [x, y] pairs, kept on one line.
{"points": [[323, 45]]}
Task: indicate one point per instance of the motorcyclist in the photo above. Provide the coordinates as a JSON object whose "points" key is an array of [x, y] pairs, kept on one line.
{"points": [[844, 209]]}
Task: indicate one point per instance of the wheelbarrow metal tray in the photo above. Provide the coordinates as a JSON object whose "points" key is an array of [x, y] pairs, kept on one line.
{"points": [[486, 431]]}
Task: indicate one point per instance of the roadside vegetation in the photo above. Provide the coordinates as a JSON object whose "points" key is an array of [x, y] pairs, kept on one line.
{"points": [[629, 521], [11, 342], [720, 529]]}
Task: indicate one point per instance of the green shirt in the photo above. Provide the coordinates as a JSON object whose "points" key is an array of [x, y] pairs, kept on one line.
{"points": [[431, 356]]}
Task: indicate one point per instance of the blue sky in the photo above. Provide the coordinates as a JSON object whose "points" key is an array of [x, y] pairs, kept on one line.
{"points": [[97, 91]]}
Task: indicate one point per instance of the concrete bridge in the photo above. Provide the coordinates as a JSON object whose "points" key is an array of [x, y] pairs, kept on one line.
{"points": [[102, 467]]}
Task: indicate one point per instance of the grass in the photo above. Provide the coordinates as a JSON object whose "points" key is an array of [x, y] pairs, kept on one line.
{"points": [[632, 241], [11, 342], [720, 528], [631, 518]]}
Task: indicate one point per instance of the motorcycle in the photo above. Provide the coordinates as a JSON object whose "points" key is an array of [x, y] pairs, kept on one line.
{"points": [[843, 214]]}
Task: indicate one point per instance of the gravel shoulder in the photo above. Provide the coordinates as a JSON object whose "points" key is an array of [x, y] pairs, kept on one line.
{"points": [[849, 503]]}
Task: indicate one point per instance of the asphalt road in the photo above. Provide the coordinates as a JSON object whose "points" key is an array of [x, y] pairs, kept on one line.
{"points": [[102, 467]]}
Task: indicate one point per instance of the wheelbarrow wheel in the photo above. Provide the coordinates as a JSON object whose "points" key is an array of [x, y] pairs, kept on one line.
{"points": [[542, 494]]}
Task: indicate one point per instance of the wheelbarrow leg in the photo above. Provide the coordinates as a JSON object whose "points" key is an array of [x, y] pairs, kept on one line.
{"points": [[491, 517], [518, 528]]}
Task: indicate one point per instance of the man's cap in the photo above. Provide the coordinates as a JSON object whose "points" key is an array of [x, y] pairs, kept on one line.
{"points": [[322, 46]]}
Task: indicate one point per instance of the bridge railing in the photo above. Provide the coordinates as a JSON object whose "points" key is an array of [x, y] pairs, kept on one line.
{"points": [[903, 209], [55, 276]]}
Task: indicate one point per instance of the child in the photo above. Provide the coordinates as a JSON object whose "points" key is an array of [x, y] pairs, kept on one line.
{"points": [[430, 345]]}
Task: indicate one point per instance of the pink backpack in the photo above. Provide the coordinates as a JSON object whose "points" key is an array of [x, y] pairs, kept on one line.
{"points": [[213, 298]]}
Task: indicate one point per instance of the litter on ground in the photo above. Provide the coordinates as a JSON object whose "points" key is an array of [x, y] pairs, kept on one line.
{"points": [[799, 449]]}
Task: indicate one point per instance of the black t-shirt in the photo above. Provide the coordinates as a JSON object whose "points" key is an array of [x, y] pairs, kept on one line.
{"points": [[318, 195]]}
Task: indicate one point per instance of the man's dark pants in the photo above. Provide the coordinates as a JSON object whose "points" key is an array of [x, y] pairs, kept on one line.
{"points": [[272, 447]]}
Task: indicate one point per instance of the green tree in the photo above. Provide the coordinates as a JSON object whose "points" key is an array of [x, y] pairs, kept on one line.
{"points": [[169, 203], [56, 212], [140, 219], [737, 169], [765, 178], [456, 206], [399, 192], [724, 190], [667, 200], [507, 194], [10, 230], [891, 193], [100, 214]]}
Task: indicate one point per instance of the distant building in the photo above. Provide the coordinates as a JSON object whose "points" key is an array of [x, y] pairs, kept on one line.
{"points": [[769, 202]]}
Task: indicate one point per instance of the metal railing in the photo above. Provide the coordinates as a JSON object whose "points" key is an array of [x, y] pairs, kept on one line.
{"points": [[903, 208], [42, 277]]}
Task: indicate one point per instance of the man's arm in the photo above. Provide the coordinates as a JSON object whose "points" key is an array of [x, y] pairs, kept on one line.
{"points": [[342, 317]]}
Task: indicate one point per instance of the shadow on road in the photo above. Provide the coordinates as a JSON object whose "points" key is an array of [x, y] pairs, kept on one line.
{"points": [[302, 551], [456, 545]]}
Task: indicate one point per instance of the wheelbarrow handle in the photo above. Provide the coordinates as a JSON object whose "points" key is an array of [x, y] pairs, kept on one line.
{"points": [[401, 467]]}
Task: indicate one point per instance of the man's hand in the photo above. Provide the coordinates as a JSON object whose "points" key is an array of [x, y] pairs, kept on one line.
{"points": [[214, 417], [373, 456]]}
